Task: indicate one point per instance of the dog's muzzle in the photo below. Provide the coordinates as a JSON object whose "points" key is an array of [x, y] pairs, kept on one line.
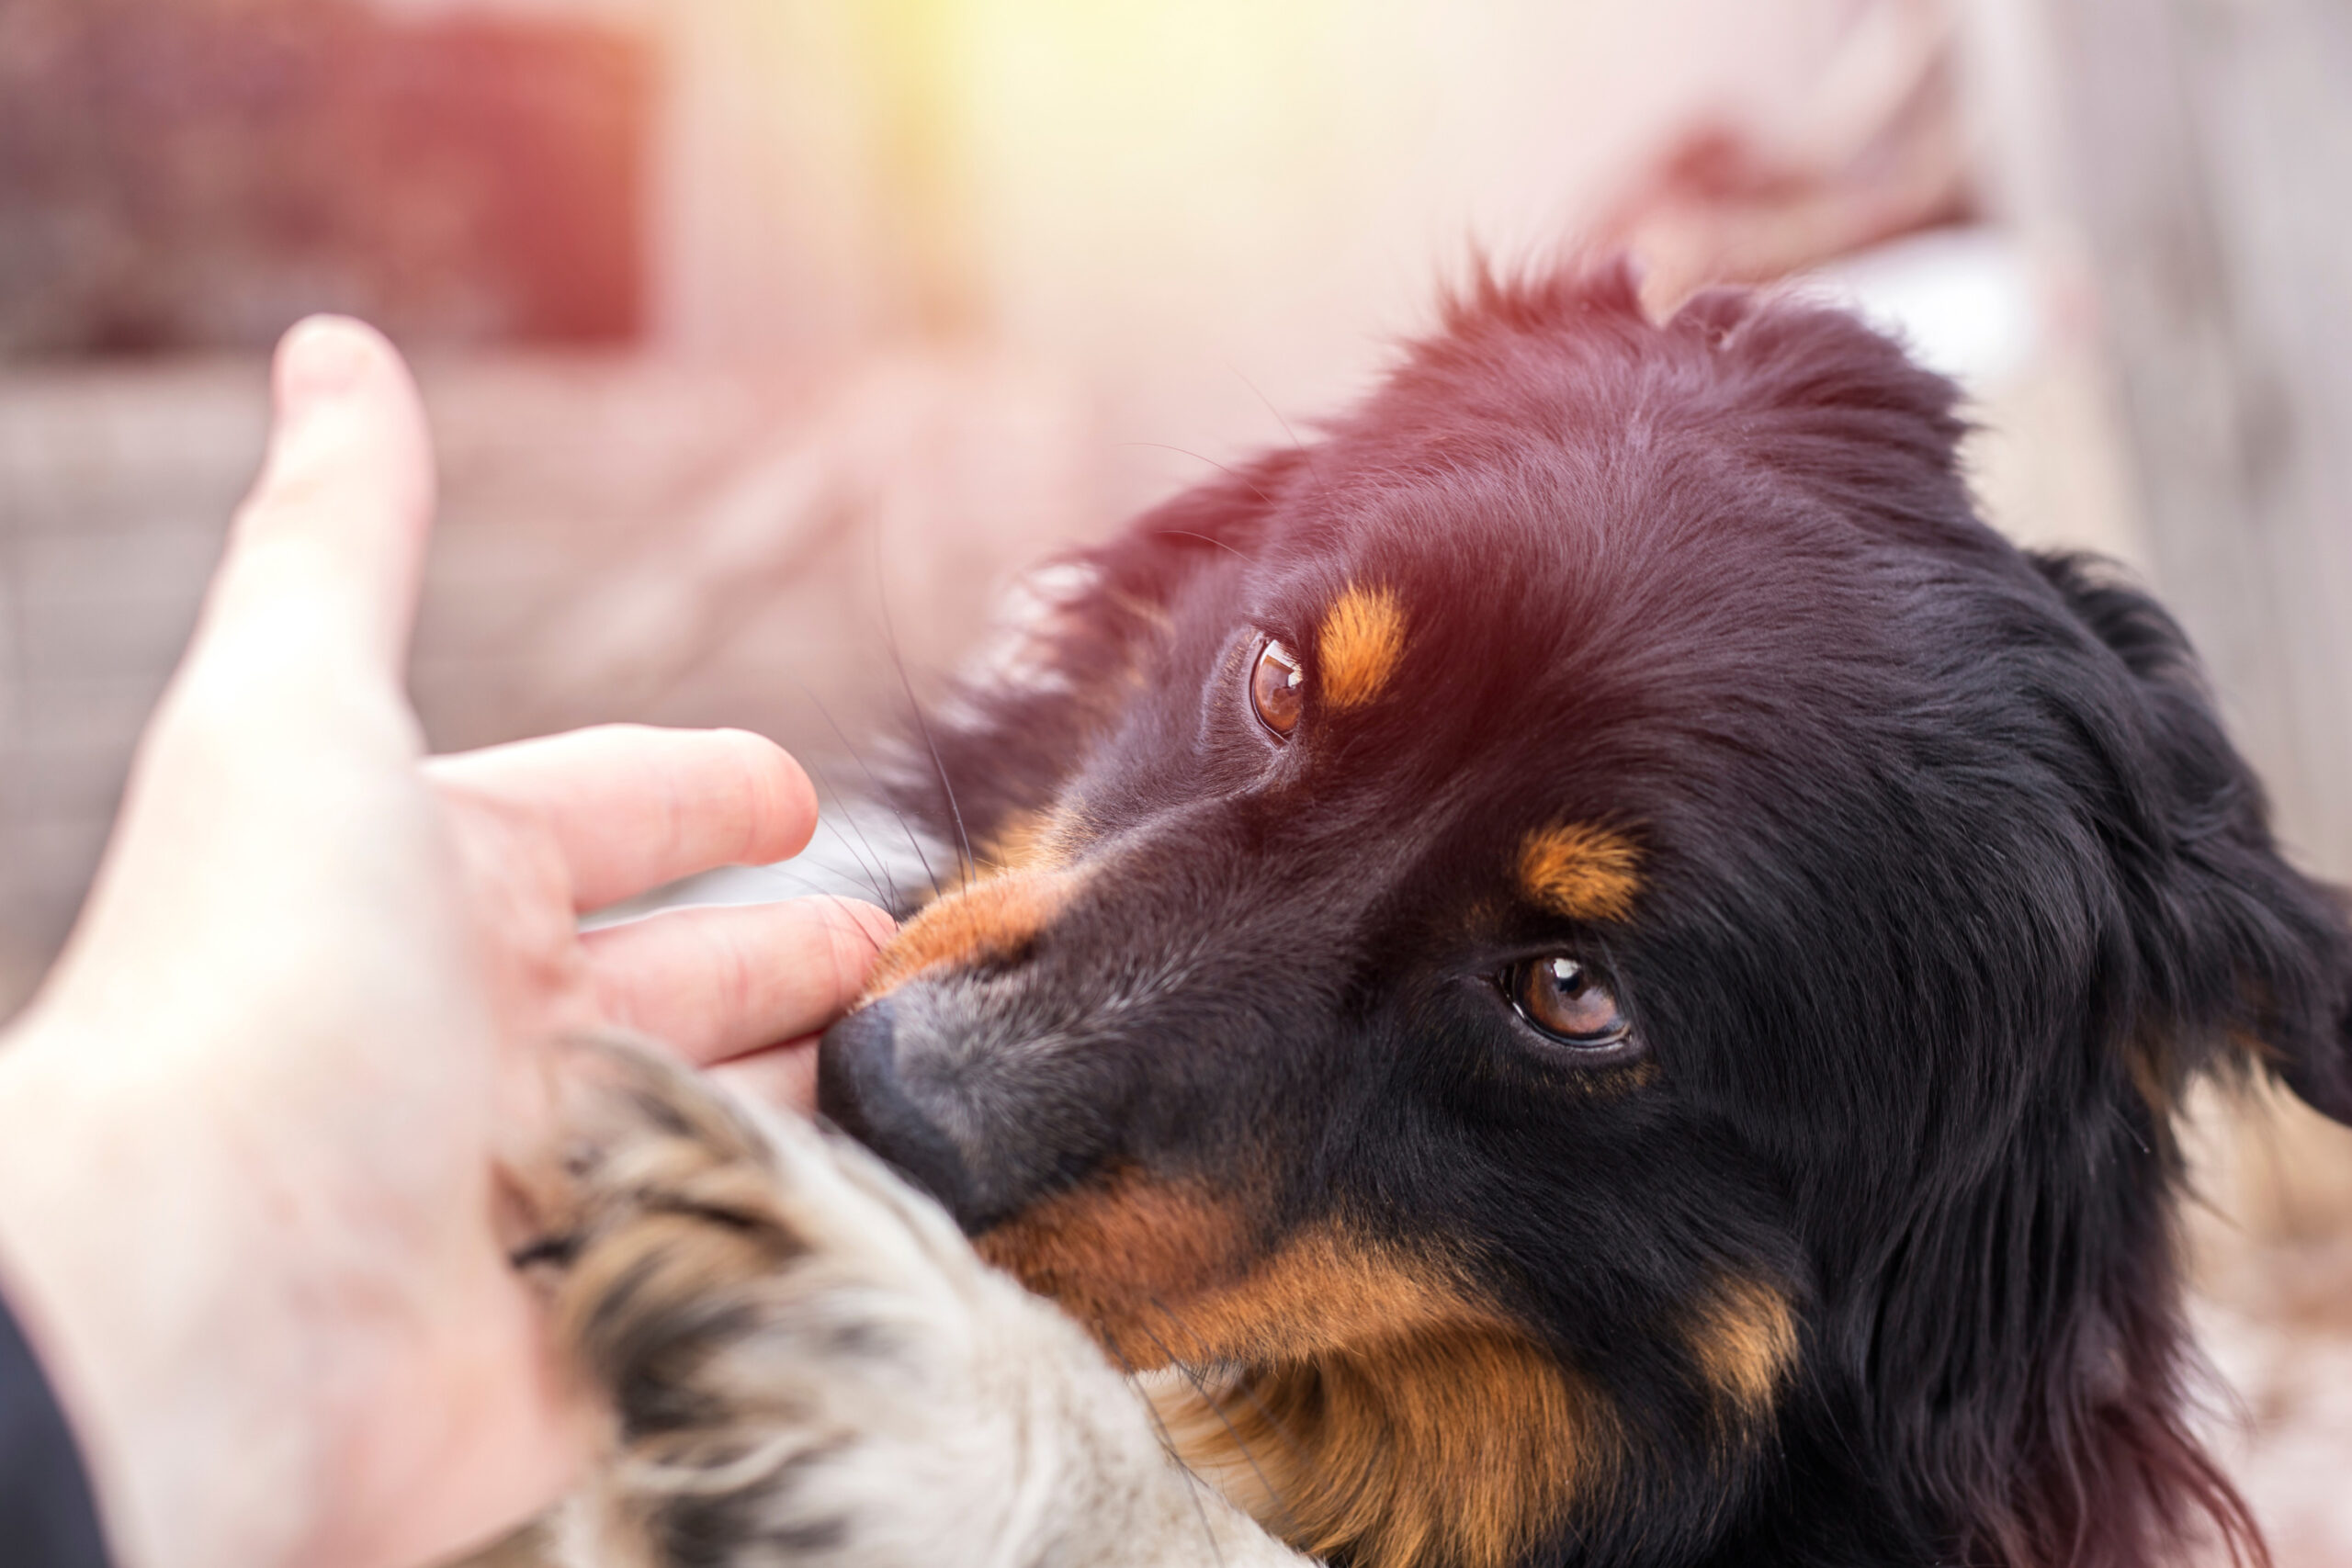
{"points": [[862, 1090]]}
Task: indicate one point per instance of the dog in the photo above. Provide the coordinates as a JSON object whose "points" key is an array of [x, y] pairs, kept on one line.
{"points": [[1585, 968]]}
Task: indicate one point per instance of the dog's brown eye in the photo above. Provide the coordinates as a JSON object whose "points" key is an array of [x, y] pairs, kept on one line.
{"points": [[1560, 996], [1278, 688]]}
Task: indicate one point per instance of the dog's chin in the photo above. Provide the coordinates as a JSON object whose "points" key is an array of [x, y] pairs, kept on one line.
{"points": [[783, 1076]]}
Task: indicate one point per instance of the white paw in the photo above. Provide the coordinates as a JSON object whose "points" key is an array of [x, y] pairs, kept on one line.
{"points": [[807, 1364]]}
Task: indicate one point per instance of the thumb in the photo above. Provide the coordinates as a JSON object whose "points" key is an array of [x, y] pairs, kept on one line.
{"points": [[325, 556]]}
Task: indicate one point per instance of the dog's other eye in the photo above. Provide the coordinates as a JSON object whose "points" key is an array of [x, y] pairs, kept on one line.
{"points": [[1562, 999], [1278, 688]]}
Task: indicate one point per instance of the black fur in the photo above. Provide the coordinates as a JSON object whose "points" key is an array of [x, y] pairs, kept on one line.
{"points": [[1952, 883]]}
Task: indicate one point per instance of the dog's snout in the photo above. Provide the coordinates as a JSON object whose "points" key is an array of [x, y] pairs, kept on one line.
{"points": [[993, 922], [861, 1088]]}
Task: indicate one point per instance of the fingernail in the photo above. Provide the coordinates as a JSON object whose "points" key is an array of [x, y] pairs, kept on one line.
{"points": [[321, 359]]}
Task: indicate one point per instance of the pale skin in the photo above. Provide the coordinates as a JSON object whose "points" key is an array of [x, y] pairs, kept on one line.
{"points": [[250, 1127]]}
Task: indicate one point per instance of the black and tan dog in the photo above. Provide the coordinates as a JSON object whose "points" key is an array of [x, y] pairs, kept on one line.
{"points": [[1586, 969]]}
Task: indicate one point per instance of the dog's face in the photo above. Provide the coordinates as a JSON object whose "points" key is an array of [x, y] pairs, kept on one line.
{"points": [[1582, 950]]}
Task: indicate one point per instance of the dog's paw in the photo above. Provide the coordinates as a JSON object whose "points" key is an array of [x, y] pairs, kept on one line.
{"points": [[807, 1364]]}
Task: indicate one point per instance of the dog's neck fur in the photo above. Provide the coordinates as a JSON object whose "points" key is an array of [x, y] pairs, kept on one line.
{"points": [[1458, 1447], [2039, 1422]]}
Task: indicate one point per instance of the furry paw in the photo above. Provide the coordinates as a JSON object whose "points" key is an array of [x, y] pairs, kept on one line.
{"points": [[807, 1364]]}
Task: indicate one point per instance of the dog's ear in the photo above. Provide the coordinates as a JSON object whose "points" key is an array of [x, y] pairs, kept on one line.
{"points": [[2234, 949]]}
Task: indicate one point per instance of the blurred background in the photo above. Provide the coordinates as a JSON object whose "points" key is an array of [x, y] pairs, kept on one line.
{"points": [[766, 339]]}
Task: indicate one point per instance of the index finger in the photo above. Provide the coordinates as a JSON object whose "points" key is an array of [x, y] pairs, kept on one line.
{"points": [[630, 806], [722, 980]]}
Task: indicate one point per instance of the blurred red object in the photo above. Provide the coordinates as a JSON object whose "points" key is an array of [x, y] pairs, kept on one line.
{"points": [[183, 173]]}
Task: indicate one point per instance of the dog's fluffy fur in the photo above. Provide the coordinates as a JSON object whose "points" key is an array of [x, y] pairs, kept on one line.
{"points": [[1917, 871]]}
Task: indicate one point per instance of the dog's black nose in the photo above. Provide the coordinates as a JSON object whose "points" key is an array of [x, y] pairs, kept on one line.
{"points": [[860, 1088]]}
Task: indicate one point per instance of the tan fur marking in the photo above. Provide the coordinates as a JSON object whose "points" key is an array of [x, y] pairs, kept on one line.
{"points": [[1324, 1291], [1108, 1250], [992, 919], [1363, 638], [1170, 1272], [1580, 871], [1461, 1446], [1028, 841], [1745, 1340], [1382, 1405]]}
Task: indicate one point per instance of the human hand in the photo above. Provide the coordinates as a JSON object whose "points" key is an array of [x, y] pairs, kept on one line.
{"points": [[249, 1129]]}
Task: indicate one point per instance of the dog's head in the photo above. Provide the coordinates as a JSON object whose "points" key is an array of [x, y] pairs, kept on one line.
{"points": [[1605, 969]]}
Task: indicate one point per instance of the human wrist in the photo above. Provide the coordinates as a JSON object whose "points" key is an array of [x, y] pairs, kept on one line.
{"points": [[127, 1253]]}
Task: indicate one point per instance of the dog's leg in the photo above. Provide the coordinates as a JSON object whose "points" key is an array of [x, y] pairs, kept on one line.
{"points": [[807, 1364]]}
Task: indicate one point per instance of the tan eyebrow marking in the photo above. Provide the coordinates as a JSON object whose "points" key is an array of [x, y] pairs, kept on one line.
{"points": [[1363, 638], [1580, 871]]}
